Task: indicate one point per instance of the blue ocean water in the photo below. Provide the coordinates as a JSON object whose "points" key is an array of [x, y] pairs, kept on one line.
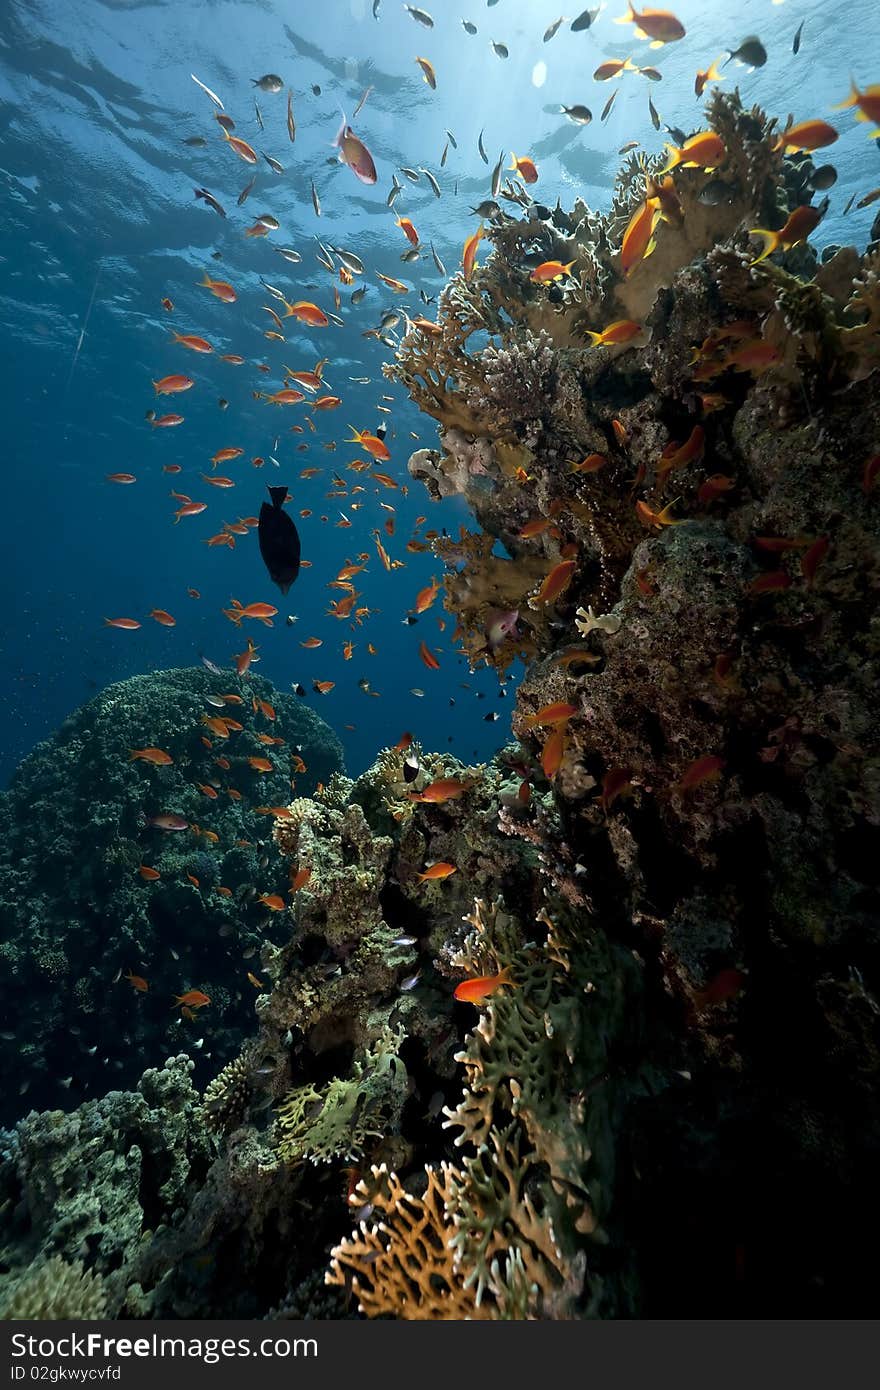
{"points": [[99, 224]]}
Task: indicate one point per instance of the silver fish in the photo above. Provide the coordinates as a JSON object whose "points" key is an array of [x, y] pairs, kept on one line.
{"points": [[259, 115], [270, 82], [482, 152], [273, 164], [390, 319], [207, 90], [468, 27], [496, 175], [360, 104], [443, 155], [551, 30], [796, 45], [420, 16], [435, 187], [606, 111], [334, 318], [358, 294], [316, 202], [411, 981], [195, 142], [210, 200], [216, 700], [273, 289], [411, 255], [652, 111], [441, 268], [501, 49], [350, 261], [328, 259], [289, 254], [404, 941], [452, 140], [266, 219], [246, 191], [376, 4], [488, 208], [411, 174]]}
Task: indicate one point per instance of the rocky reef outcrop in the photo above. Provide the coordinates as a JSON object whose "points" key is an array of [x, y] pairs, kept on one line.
{"points": [[111, 864]]}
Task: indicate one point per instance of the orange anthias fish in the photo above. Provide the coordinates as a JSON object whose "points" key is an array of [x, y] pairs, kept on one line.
{"points": [[623, 331], [556, 582], [137, 981], [272, 901], [425, 597], [437, 871], [613, 68], [638, 239], [676, 455], [445, 789], [548, 271], [807, 135], [148, 874], [553, 751], [704, 77], [469, 254], [703, 770], [428, 657], [307, 312], [591, 464], [300, 879], [126, 624], [375, 447], [193, 999], [164, 619], [408, 230], [120, 478], [615, 782], [189, 340], [261, 764], [705, 150], [157, 756], [558, 713], [800, 223], [525, 167], [868, 103], [172, 385], [475, 991], [241, 147], [219, 289], [660, 26], [651, 518]]}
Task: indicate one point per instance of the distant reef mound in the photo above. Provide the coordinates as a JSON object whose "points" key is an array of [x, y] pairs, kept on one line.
{"points": [[77, 826]]}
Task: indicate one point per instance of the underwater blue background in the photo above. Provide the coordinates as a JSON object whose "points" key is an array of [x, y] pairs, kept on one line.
{"points": [[99, 223]]}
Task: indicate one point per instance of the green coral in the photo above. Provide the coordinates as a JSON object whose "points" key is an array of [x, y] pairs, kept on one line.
{"points": [[56, 1291], [343, 1118]]}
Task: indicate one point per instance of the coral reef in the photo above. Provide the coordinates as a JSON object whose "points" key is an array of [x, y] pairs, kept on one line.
{"points": [[77, 824], [56, 1291], [604, 1066]]}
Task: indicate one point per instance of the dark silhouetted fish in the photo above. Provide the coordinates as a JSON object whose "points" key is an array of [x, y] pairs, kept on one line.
{"points": [[279, 540]]}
